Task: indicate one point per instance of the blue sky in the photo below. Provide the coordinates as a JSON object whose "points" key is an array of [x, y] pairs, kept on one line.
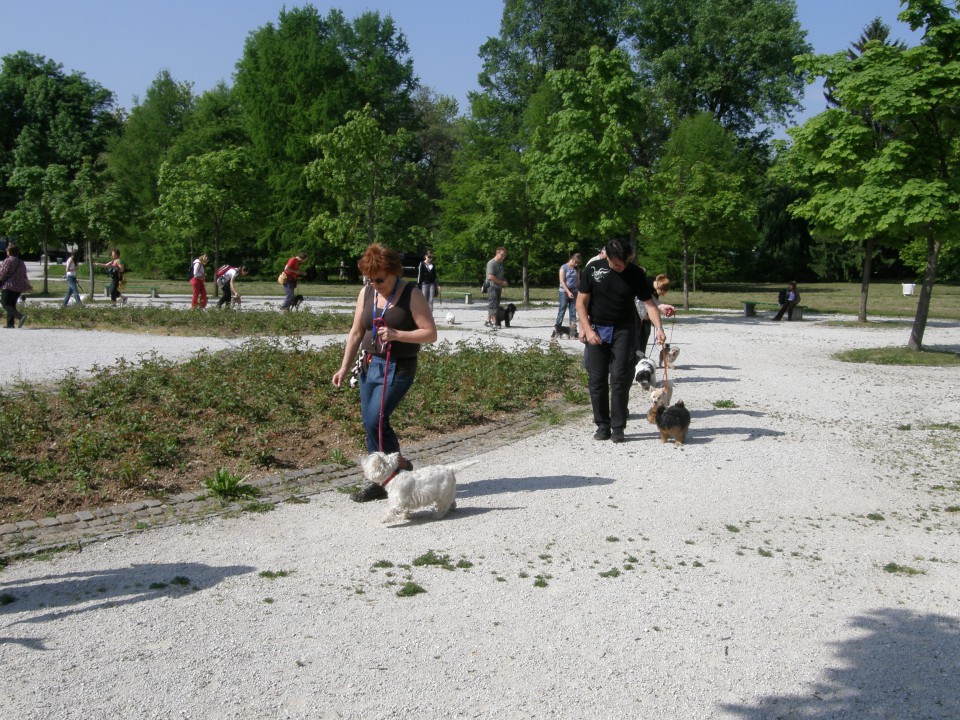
{"points": [[123, 44]]}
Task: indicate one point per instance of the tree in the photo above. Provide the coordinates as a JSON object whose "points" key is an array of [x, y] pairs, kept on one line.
{"points": [[55, 120], [299, 78], [371, 177], [908, 185], [730, 58], [208, 196], [699, 197], [135, 156], [593, 156]]}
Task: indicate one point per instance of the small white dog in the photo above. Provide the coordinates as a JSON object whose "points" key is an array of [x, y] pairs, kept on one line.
{"points": [[430, 488], [451, 319]]}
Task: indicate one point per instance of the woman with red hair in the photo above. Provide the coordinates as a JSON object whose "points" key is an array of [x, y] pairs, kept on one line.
{"points": [[392, 319]]}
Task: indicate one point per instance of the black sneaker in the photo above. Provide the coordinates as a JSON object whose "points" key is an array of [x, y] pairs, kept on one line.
{"points": [[370, 491], [617, 436], [406, 465], [602, 433], [22, 320]]}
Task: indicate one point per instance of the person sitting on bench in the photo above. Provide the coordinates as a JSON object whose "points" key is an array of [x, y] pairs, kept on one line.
{"points": [[789, 298]]}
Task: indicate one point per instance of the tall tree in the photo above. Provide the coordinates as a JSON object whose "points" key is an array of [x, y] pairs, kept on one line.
{"points": [[55, 120], [135, 156], [908, 185], [700, 200], [730, 58], [299, 78], [205, 199]]}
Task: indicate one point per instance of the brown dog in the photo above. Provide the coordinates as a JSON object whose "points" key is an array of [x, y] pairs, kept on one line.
{"points": [[673, 422]]}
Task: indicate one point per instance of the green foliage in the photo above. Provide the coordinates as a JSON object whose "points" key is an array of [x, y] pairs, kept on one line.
{"points": [[227, 485], [370, 176]]}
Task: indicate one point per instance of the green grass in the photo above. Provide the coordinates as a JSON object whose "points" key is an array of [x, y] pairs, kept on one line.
{"points": [[901, 569], [885, 299], [899, 356], [409, 589], [166, 320]]}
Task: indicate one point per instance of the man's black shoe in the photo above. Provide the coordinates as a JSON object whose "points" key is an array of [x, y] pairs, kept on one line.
{"points": [[602, 434], [617, 436]]}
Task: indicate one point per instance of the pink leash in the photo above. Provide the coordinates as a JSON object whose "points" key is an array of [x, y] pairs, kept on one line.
{"points": [[383, 394]]}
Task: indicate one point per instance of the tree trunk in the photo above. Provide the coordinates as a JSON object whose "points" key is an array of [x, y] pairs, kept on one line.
{"points": [[90, 270], [926, 290], [686, 270], [865, 278], [526, 270], [43, 245]]}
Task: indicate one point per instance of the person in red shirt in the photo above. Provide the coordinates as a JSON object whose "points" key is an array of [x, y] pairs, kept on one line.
{"points": [[293, 273]]}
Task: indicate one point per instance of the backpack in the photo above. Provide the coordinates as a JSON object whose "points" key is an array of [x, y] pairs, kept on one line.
{"points": [[221, 271], [190, 271], [782, 297]]}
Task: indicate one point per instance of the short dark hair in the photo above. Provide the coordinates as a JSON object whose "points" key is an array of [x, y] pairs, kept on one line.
{"points": [[13, 250], [617, 249]]}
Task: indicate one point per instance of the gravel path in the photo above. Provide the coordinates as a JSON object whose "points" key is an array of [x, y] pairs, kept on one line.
{"points": [[739, 576]]}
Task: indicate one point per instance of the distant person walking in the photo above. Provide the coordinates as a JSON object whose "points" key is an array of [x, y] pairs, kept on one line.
{"points": [[569, 287], [427, 279], [496, 279], [198, 282], [115, 270], [13, 283], [229, 286], [294, 273], [73, 289]]}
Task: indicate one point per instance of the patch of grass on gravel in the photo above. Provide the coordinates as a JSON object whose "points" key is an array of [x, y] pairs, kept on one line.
{"points": [[901, 569], [164, 320], [899, 356], [157, 427]]}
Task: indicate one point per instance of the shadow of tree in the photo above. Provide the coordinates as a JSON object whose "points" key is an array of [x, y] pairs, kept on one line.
{"points": [[901, 665], [493, 486], [92, 590]]}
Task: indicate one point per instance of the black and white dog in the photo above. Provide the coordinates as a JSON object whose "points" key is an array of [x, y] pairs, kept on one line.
{"points": [[505, 315]]}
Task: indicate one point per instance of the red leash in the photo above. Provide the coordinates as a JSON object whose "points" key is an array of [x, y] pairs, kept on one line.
{"points": [[383, 394]]}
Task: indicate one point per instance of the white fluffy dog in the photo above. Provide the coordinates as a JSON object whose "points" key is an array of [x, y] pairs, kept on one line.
{"points": [[430, 488], [646, 373], [451, 319], [661, 395]]}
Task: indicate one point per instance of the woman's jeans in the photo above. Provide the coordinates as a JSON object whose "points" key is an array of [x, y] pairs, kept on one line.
{"points": [[429, 292], [199, 292], [72, 289], [567, 303], [371, 392]]}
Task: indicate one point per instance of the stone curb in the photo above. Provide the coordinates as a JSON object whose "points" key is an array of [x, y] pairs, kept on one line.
{"points": [[73, 530]]}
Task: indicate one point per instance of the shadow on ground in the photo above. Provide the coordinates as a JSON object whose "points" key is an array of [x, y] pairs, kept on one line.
{"points": [[527, 484], [74, 593], [901, 665]]}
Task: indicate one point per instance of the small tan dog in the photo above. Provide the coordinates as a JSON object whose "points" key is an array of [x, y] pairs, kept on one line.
{"points": [[661, 398]]}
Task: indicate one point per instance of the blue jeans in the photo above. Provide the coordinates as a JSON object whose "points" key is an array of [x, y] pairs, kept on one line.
{"points": [[371, 393], [567, 303], [290, 288], [72, 289], [429, 292]]}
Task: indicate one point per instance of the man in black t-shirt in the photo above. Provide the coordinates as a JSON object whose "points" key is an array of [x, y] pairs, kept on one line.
{"points": [[606, 315]]}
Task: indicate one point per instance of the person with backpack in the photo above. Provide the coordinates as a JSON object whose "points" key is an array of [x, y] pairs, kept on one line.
{"points": [[291, 278], [788, 299], [115, 270], [227, 283], [13, 282], [198, 282]]}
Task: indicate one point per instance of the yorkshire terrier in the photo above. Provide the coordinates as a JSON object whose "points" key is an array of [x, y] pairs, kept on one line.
{"points": [[673, 422]]}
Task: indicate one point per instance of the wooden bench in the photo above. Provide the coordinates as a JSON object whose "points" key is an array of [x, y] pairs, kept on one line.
{"points": [[750, 308]]}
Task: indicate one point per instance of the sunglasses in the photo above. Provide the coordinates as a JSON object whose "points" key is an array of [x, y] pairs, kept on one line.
{"points": [[378, 281]]}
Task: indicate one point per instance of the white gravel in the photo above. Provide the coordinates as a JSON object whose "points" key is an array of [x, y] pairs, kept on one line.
{"points": [[750, 583]]}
